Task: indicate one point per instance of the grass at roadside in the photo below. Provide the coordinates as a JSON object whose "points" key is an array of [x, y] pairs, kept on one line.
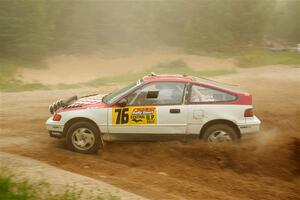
{"points": [[261, 57], [24, 190], [8, 82], [246, 58], [174, 67], [255, 57]]}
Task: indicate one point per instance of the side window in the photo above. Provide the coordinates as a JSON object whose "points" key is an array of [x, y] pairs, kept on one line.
{"points": [[200, 94], [160, 93]]}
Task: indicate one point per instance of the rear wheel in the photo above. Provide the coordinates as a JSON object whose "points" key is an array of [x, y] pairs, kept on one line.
{"points": [[83, 137], [219, 133]]}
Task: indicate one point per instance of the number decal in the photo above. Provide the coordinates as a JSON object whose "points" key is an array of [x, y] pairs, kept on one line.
{"points": [[119, 111], [122, 116], [125, 116], [134, 116]]}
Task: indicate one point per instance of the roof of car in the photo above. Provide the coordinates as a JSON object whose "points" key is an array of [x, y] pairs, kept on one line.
{"points": [[184, 78], [167, 77]]}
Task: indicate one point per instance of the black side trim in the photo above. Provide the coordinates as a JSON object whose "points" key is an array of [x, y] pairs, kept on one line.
{"points": [[59, 136], [174, 110], [151, 137]]}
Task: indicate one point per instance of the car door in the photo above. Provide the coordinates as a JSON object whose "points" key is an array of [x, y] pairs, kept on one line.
{"points": [[155, 108]]}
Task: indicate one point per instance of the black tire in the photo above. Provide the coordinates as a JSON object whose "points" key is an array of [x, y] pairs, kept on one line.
{"points": [[91, 130], [214, 130]]}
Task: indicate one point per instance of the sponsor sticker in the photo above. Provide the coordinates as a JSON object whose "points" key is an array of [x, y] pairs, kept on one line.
{"points": [[134, 115]]}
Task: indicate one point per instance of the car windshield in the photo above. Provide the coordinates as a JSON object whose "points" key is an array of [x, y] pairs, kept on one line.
{"points": [[112, 97]]}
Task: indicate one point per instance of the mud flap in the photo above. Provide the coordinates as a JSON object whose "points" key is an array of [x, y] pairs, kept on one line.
{"points": [[102, 142]]}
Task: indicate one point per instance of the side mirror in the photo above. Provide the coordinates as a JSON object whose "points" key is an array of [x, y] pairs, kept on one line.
{"points": [[122, 103]]}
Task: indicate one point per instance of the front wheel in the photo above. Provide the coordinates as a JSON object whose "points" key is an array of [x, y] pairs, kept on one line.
{"points": [[83, 137], [219, 133]]}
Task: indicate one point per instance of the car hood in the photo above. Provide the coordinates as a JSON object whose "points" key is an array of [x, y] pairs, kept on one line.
{"points": [[89, 100], [94, 101], [72, 103]]}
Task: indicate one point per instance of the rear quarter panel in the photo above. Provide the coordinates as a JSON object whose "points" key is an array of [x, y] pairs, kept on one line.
{"points": [[200, 114]]}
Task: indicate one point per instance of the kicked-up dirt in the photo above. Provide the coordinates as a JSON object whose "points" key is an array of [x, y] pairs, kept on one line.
{"points": [[267, 167]]}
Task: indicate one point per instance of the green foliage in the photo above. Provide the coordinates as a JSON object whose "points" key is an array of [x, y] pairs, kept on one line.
{"points": [[7, 72], [173, 67], [10, 190], [23, 190], [111, 197], [260, 57], [23, 33], [284, 23], [31, 29], [62, 86], [224, 25]]}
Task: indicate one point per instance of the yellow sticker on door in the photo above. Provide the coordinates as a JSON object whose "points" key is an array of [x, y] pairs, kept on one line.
{"points": [[134, 115]]}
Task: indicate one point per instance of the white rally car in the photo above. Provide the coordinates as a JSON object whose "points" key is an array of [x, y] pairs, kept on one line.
{"points": [[153, 108]]}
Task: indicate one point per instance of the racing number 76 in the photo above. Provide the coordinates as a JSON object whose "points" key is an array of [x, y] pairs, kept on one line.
{"points": [[122, 116]]}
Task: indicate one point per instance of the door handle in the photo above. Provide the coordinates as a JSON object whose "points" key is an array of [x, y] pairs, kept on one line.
{"points": [[175, 110]]}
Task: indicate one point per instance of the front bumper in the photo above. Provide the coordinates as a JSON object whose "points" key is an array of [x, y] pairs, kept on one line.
{"points": [[55, 128], [250, 127]]}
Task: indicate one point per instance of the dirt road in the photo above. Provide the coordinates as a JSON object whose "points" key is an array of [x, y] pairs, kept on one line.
{"points": [[103, 64], [265, 168], [38, 172]]}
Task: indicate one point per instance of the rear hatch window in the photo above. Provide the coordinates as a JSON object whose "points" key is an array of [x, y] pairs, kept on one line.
{"points": [[219, 84]]}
